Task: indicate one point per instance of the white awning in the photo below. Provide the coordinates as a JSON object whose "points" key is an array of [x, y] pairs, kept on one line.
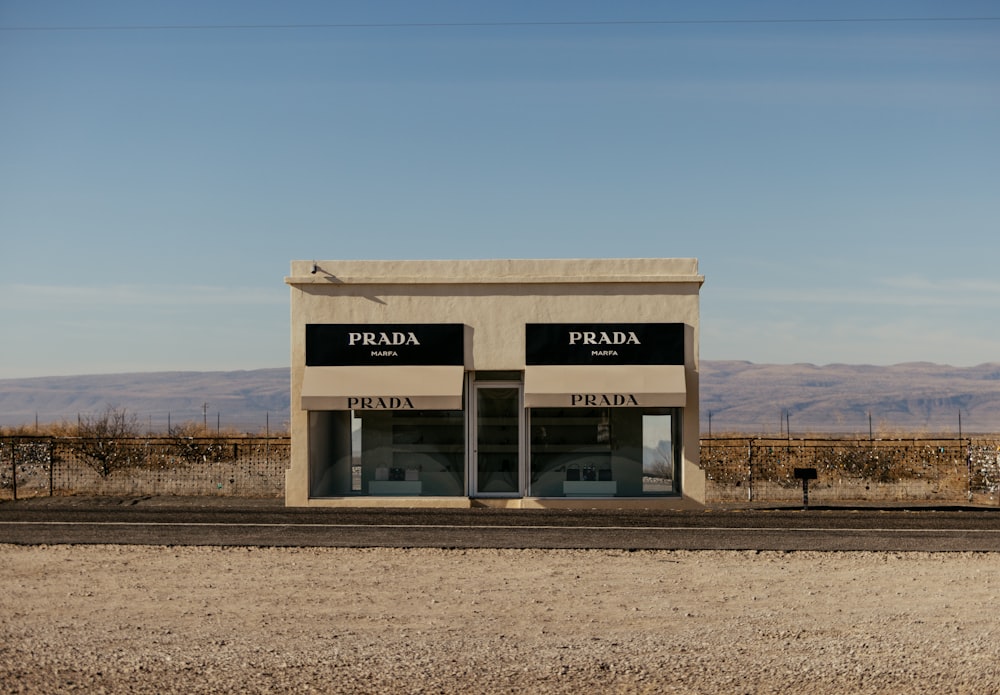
{"points": [[383, 388], [619, 385]]}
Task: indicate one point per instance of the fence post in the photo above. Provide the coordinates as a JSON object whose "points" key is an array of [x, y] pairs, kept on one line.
{"points": [[750, 472], [13, 467], [968, 469], [52, 465]]}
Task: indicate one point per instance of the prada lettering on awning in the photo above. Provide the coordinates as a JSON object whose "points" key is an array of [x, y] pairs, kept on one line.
{"points": [[622, 386], [382, 388]]}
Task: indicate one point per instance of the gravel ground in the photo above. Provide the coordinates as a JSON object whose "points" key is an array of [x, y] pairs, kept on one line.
{"points": [[137, 619]]}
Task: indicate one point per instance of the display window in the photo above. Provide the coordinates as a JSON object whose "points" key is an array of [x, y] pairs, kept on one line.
{"points": [[604, 452], [387, 452]]}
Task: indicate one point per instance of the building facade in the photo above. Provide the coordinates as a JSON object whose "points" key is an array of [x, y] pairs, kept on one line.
{"points": [[517, 383]]}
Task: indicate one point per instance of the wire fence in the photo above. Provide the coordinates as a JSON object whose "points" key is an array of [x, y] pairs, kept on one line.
{"points": [[754, 469], [158, 424], [738, 469], [33, 466]]}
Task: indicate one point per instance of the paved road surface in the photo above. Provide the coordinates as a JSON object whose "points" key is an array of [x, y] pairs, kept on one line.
{"points": [[219, 521]]}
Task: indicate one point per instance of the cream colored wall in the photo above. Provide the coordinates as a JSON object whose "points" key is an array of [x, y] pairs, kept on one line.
{"points": [[494, 299]]}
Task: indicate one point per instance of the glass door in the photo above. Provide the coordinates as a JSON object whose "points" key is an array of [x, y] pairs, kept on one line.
{"points": [[497, 451]]}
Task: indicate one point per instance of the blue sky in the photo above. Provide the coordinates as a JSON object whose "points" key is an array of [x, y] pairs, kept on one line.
{"points": [[838, 181]]}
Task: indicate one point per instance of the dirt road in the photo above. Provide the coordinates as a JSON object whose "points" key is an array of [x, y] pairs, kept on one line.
{"points": [[142, 619]]}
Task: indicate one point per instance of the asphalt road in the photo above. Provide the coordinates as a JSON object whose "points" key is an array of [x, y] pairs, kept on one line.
{"points": [[227, 522]]}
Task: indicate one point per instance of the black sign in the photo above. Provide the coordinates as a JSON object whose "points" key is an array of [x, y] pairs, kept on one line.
{"points": [[366, 344], [604, 343]]}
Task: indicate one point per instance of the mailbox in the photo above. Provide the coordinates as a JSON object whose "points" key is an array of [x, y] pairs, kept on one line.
{"points": [[805, 475]]}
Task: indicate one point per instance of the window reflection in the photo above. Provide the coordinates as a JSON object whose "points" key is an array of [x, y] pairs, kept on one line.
{"points": [[603, 452], [387, 452]]}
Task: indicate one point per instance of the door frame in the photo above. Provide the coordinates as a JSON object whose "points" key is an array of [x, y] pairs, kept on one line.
{"points": [[472, 439]]}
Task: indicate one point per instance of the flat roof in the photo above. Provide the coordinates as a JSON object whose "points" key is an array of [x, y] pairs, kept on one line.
{"points": [[496, 271]]}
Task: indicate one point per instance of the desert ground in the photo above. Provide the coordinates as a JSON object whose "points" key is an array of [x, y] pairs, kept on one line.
{"points": [[138, 619]]}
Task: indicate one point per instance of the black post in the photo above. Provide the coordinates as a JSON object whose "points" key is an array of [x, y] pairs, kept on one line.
{"points": [[52, 465]]}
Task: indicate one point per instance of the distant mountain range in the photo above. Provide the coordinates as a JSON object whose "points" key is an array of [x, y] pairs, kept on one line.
{"points": [[247, 401], [738, 397], [913, 398]]}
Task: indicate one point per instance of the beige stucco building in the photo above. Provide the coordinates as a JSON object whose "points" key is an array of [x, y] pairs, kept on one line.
{"points": [[517, 383]]}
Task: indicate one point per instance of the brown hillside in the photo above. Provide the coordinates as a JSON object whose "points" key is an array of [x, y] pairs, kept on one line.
{"points": [[741, 396]]}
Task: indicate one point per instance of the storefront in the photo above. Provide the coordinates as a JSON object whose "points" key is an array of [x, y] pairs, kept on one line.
{"points": [[519, 383]]}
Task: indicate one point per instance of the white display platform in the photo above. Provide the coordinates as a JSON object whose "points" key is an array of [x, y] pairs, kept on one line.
{"points": [[592, 488]]}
